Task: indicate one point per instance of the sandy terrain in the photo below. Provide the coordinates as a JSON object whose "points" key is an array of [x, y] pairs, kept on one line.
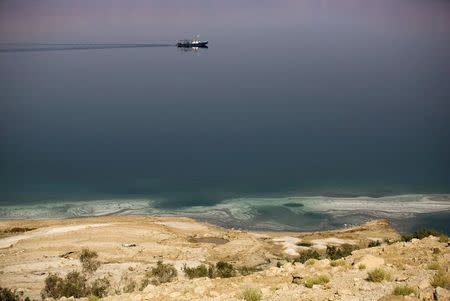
{"points": [[130, 245]]}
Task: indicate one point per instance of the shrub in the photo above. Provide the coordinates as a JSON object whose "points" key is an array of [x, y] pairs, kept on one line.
{"points": [[7, 294], [252, 294], [338, 262], [441, 279], [321, 279], [335, 253], [162, 273], [245, 270], [422, 233], [308, 254], [434, 266], [89, 260], [362, 266], [130, 285], [74, 284], [100, 287], [197, 272], [304, 244], [279, 264], [403, 291], [378, 275], [311, 261], [443, 238], [224, 270], [374, 243]]}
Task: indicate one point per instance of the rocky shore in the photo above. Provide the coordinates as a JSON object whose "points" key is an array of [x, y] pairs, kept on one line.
{"points": [[330, 265]]}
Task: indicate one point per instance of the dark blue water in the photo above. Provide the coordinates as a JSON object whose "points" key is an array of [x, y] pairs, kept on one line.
{"points": [[307, 98]]}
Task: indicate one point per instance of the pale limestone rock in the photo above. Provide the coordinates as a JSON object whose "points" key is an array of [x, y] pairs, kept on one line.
{"points": [[442, 294], [370, 261]]}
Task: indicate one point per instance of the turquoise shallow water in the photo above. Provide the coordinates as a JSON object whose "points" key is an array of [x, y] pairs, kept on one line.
{"points": [[291, 99], [406, 212]]}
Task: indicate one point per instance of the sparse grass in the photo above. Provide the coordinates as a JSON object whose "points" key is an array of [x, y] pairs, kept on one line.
{"points": [[362, 266], [252, 294], [378, 275], [197, 272], [434, 266], [374, 243], [308, 254], [311, 261], [93, 298], [403, 291], [335, 253], [338, 262], [441, 279], [89, 262], [320, 279]]}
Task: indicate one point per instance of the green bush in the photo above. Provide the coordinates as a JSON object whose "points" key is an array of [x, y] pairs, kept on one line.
{"points": [[320, 279], [335, 253], [73, 285], [197, 272], [100, 287], [7, 294], [308, 254], [89, 260], [422, 233], [374, 243], [403, 291], [378, 275], [245, 270], [252, 294], [224, 270], [162, 273], [441, 279]]}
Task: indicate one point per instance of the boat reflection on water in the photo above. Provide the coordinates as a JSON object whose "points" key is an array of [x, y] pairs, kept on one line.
{"points": [[192, 49]]}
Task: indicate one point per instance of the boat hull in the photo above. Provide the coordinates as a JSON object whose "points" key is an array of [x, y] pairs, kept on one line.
{"points": [[192, 45]]}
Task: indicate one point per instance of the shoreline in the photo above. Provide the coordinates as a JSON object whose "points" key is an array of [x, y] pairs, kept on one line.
{"points": [[260, 213]]}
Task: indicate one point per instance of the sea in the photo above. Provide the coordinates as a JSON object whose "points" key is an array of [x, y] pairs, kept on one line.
{"points": [[300, 115]]}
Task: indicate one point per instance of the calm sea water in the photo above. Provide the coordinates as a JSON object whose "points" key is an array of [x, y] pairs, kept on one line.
{"points": [[291, 98]]}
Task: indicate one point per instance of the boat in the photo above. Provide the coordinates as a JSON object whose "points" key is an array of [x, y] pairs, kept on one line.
{"points": [[193, 43]]}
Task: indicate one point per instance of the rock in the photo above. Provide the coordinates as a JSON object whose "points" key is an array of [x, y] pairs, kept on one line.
{"points": [[149, 288], [131, 245], [425, 283], [401, 278], [426, 294], [370, 261], [200, 290], [442, 294], [344, 291]]}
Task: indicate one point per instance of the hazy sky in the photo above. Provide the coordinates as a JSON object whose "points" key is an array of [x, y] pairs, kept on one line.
{"points": [[166, 20]]}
